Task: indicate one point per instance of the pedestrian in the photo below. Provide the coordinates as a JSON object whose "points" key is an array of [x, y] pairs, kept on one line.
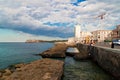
{"points": [[112, 45]]}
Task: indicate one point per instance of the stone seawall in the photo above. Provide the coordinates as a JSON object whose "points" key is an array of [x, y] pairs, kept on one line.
{"points": [[107, 58], [83, 52]]}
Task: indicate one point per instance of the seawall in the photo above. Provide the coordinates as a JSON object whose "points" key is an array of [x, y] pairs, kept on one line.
{"points": [[107, 58]]}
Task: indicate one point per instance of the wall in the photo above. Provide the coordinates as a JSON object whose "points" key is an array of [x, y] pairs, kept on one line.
{"points": [[107, 58]]}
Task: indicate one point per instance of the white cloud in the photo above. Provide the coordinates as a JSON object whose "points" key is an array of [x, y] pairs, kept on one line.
{"points": [[35, 13]]}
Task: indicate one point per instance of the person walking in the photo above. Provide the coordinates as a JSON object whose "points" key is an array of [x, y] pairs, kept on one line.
{"points": [[112, 45]]}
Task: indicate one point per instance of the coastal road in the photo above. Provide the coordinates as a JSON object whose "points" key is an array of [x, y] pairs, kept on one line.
{"points": [[107, 44]]}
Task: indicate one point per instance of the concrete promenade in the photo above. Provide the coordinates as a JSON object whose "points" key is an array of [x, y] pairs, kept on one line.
{"points": [[107, 44]]}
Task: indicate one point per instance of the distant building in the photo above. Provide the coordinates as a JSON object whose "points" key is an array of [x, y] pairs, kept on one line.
{"points": [[116, 33], [85, 37], [118, 28], [77, 33], [88, 37], [101, 35]]}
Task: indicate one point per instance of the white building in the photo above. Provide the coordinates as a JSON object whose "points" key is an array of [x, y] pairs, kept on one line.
{"points": [[77, 33]]}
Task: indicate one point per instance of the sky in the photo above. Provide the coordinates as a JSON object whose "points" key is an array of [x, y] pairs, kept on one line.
{"points": [[54, 19]]}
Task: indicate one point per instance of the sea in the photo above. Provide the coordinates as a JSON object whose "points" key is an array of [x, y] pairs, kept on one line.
{"points": [[15, 53], [20, 52]]}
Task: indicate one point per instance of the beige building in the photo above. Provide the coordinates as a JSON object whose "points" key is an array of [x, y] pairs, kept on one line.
{"points": [[84, 37], [118, 30], [116, 33], [101, 35]]}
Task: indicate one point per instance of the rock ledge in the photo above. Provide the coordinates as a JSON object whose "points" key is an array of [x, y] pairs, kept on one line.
{"points": [[45, 69]]}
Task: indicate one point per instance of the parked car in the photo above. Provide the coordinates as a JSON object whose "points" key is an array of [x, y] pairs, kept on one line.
{"points": [[116, 42]]}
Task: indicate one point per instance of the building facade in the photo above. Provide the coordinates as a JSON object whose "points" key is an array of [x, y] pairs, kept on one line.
{"points": [[116, 33], [101, 35], [85, 37], [118, 30]]}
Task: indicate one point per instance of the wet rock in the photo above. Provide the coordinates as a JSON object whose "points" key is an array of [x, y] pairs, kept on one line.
{"points": [[72, 54], [45, 69], [2, 71]]}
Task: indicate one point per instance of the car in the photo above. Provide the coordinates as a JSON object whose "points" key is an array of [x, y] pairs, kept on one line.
{"points": [[116, 42]]}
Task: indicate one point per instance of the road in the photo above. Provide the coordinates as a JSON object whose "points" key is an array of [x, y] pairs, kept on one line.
{"points": [[107, 44]]}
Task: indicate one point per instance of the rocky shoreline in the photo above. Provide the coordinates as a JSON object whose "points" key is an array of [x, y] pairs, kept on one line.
{"points": [[58, 51], [45, 69]]}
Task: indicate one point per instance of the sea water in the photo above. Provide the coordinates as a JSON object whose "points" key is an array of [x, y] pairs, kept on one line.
{"points": [[84, 70], [14, 53]]}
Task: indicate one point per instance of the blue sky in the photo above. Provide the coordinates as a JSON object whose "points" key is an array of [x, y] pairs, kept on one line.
{"points": [[54, 19]]}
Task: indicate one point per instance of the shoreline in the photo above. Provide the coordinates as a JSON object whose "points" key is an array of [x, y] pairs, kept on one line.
{"points": [[44, 69], [57, 51], [13, 68]]}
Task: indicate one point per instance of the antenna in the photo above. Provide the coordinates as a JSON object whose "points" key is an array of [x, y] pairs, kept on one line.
{"points": [[101, 16]]}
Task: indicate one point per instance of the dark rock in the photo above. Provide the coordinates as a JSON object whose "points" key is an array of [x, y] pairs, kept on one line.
{"points": [[72, 54], [0, 74]]}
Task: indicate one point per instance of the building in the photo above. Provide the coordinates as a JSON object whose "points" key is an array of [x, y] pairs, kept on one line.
{"points": [[101, 35], [116, 33], [77, 33], [118, 28], [85, 37]]}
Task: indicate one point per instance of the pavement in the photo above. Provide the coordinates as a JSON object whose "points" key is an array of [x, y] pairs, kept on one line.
{"points": [[107, 44]]}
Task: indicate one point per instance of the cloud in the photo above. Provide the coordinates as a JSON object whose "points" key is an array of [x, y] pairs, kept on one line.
{"points": [[58, 17]]}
